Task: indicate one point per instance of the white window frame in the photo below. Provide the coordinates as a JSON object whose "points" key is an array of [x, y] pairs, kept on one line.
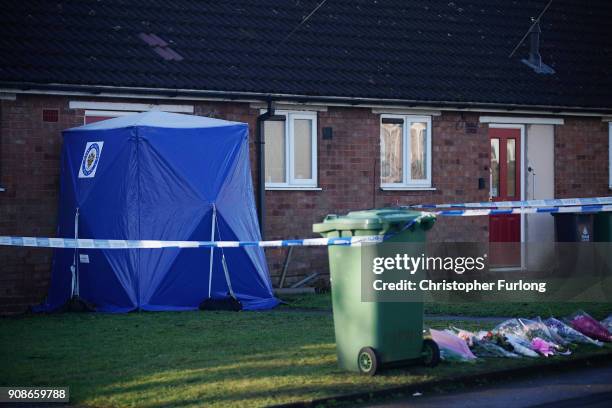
{"points": [[292, 183], [407, 183], [610, 155]]}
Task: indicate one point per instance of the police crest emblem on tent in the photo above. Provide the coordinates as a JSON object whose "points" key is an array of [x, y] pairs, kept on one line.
{"points": [[91, 158]]}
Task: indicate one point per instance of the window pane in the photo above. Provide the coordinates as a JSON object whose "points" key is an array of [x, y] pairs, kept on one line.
{"points": [[275, 151], [418, 151], [391, 157], [511, 166], [302, 140], [494, 178]]}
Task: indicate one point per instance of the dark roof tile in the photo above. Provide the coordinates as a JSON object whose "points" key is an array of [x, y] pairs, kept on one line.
{"points": [[425, 50]]}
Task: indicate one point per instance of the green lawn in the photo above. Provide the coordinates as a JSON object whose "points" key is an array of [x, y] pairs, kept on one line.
{"points": [[515, 309], [209, 359]]}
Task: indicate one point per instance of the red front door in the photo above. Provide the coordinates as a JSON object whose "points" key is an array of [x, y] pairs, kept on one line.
{"points": [[505, 185]]}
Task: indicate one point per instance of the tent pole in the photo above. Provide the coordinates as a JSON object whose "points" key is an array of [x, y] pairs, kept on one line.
{"points": [[212, 249], [227, 303], [75, 261], [75, 303], [226, 272], [227, 276]]}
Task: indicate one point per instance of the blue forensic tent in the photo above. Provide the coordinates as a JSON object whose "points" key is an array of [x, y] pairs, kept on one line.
{"points": [[158, 176]]}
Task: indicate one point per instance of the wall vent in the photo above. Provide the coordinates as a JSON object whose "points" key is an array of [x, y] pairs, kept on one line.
{"points": [[50, 115]]}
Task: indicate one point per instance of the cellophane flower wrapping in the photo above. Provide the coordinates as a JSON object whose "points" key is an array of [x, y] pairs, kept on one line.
{"points": [[452, 348], [588, 326], [536, 328], [482, 345], [495, 338], [543, 347], [511, 326], [521, 345], [607, 323], [568, 333], [465, 335], [487, 348]]}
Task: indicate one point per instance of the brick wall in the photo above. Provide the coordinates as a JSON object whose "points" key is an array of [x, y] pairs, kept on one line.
{"points": [[581, 158], [348, 176], [29, 163]]}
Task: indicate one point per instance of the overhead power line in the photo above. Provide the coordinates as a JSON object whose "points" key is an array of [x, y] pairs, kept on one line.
{"points": [[537, 20], [303, 21]]}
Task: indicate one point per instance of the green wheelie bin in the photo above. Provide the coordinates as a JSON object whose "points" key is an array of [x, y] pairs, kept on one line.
{"points": [[603, 227], [374, 334], [602, 230]]}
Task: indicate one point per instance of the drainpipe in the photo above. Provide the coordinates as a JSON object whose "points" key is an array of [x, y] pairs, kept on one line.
{"points": [[260, 141]]}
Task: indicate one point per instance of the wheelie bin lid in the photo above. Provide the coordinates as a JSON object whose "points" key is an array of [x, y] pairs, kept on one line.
{"points": [[375, 219]]}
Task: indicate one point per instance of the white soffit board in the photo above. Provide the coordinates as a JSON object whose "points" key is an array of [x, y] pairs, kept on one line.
{"points": [[8, 96], [521, 120], [133, 107], [406, 111], [287, 106], [110, 114], [158, 119]]}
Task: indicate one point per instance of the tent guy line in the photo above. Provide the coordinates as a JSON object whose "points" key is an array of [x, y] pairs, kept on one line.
{"points": [[83, 243]]}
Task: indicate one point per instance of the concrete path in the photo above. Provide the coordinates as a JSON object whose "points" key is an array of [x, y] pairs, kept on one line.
{"points": [[588, 387]]}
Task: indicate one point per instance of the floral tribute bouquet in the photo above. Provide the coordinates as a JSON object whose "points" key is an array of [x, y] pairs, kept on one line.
{"points": [[515, 338], [568, 333], [484, 344], [521, 345], [588, 326], [452, 347], [607, 323]]}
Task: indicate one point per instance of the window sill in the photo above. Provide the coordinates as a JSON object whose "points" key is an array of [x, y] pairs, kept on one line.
{"points": [[407, 188], [293, 188]]}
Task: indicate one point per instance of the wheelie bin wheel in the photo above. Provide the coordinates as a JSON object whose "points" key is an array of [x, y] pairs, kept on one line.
{"points": [[367, 361], [430, 354]]}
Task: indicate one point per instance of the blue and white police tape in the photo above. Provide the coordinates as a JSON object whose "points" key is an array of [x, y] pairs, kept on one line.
{"points": [[83, 243], [527, 210], [561, 202]]}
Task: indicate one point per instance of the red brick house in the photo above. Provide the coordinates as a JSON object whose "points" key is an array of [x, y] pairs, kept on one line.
{"points": [[383, 103]]}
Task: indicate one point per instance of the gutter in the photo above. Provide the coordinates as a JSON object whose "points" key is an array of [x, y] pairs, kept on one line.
{"points": [[169, 93]]}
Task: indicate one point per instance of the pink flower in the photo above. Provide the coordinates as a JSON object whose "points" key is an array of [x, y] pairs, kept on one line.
{"points": [[542, 346]]}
